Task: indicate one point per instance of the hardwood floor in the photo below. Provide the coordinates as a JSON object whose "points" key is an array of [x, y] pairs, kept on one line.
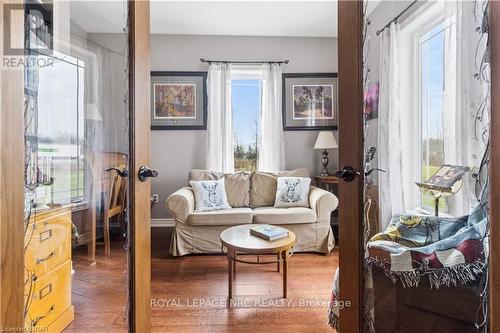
{"points": [[99, 291], [189, 293]]}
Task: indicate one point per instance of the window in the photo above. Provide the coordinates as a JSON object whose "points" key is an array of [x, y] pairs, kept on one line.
{"points": [[431, 55], [246, 94], [60, 130], [421, 100]]}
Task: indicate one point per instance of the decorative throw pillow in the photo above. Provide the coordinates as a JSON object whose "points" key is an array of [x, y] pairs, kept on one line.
{"points": [[292, 192], [238, 188], [300, 172], [262, 189], [198, 174], [263, 185], [209, 195]]}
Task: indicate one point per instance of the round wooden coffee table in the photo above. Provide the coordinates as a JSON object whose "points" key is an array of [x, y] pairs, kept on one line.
{"points": [[239, 240]]}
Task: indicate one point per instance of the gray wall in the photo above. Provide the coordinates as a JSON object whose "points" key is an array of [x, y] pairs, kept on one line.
{"points": [[174, 153]]}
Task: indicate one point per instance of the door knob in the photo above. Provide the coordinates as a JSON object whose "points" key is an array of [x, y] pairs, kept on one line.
{"points": [[347, 173], [122, 173], [146, 172]]}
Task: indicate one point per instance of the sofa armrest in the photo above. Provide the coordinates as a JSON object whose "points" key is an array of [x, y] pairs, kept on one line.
{"points": [[181, 203], [323, 202]]}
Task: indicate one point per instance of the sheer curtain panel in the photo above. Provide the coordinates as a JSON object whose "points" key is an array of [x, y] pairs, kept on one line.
{"points": [[219, 123], [271, 144]]}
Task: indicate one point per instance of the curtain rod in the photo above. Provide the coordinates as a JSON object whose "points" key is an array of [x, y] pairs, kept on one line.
{"points": [[245, 62], [395, 19]]}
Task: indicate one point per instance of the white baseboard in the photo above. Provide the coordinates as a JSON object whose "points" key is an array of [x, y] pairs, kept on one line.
{"points": [[166, 222]]}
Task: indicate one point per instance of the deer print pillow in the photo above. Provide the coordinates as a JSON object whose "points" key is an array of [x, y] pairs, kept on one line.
{"points": [[209, 195], [292, 192]]}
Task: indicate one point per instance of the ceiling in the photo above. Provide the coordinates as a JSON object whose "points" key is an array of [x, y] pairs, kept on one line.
{"points": [[99, 16], [237, 18], [245, 18]]}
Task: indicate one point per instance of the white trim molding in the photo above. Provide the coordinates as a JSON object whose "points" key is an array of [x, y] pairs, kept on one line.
{"points": [[163, 222]]}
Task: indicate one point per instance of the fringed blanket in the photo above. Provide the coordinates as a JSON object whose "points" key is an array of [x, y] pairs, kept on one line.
{"points": [[333, 316], [447, 251]]}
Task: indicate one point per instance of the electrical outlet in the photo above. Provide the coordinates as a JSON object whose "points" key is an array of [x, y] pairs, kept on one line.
{"points": [[155, 198]]}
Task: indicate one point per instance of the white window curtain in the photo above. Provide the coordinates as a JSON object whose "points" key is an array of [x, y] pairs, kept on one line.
{"points": [[462, 96], [111, 102], [271, 144], [219, 123], [391, 143]]}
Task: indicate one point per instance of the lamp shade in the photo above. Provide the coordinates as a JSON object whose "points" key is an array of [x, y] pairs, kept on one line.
{"points": [[325, 140], [92, 112]]}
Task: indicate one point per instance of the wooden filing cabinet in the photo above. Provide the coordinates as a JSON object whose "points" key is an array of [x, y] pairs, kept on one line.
{"points": [[47, 291]]}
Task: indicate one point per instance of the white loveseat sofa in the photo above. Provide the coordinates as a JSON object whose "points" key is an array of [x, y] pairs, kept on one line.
{"points": [[251, 196]]}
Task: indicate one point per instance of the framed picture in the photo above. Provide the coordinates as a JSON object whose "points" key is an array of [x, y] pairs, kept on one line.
{"points": [[370, 108], [178, 100], [310, 101]]}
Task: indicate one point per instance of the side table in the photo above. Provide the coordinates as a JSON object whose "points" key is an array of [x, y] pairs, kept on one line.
{"points": [[325, 182]]}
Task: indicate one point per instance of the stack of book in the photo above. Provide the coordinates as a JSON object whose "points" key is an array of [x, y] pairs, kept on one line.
{"points": [[268, 232]]}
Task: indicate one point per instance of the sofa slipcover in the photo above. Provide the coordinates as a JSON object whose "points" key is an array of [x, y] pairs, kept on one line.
{"points": [[199, 232], [234, 216], [278, 216]]}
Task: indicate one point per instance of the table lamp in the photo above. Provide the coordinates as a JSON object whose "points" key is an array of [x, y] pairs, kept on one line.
{"points": [[325, 141]]}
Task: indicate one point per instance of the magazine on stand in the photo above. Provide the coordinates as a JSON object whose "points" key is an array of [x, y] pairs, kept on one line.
{"points": [[444, 179]]}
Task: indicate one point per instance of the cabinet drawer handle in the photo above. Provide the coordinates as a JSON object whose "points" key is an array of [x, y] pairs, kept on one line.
{"points": [[47, 234], [37, 319], [45, 291], [38, 261]]}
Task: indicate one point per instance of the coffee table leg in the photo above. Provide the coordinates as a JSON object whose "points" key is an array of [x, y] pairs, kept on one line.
{"points": [[234, 262], [229, 275], [284, 256], [278, 262]]}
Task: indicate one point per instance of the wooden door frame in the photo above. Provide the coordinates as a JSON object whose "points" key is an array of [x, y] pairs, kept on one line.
{"points": [[350, 26], [12, 177], [11, 185], [350, 92], [494, 169], [140, 192], [350, 50]]}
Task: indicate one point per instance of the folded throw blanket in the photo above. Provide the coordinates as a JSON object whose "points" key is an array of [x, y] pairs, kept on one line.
{"points": [[333, 315], [448, 251]]}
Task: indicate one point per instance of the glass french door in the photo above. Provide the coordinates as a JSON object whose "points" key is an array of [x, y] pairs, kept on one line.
{"points": [[77, 231], [426, 117]]}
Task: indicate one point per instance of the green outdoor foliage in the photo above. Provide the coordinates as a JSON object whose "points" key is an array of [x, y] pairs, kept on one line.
{"points": [[434, 147], [428, 200], [245, 159]]}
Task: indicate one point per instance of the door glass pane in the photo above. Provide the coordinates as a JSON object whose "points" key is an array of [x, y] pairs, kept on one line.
{"points": [[431, 52], [426, 109], [76, 129]]}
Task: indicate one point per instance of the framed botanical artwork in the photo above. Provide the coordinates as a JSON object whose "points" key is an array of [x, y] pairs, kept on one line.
{"points": [[310, 101], [178, 100]]}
